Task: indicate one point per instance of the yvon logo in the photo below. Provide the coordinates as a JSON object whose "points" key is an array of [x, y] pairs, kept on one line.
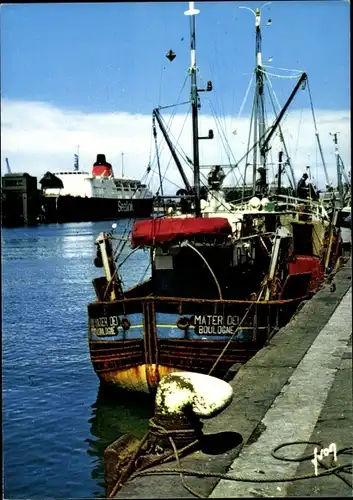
{"points": [[324, 452]]}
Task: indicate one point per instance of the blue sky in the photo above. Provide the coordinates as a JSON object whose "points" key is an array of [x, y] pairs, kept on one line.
{"points": [[109, 56], [104, 58]]}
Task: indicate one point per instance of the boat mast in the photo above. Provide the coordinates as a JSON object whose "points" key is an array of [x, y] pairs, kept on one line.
{"points": [[194, 106], [338, 168], [258, 106], [259, 103], [280, 166]]}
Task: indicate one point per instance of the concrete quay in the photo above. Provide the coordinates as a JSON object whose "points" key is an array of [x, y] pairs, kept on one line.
{"points": [[297, 388]]}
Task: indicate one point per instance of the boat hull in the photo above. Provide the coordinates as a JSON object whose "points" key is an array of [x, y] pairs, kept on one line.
{"points": [[156, 341], [82, 209], [140, 378]]}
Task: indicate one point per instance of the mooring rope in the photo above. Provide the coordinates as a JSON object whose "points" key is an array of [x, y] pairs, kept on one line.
{"points": [[231, 338], [347, 468]]}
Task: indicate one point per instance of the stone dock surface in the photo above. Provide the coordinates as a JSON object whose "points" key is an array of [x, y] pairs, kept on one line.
{"points": [[297, 388]]}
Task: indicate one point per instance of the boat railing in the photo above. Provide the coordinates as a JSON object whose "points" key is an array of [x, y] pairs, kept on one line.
{"points": [[310, 206], [180, 301], [285, 204]]}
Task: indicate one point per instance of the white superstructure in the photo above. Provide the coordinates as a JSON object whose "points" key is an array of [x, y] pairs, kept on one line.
{"points": [[83, 184]]}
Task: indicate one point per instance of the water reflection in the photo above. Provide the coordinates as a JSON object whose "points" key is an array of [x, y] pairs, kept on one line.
{"points": [[114, 414]]}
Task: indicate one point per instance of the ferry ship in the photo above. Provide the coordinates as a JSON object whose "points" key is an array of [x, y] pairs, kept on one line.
{"points": [[78, 196]]}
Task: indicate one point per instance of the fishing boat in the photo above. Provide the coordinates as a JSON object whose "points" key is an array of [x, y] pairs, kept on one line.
{"points": [[224, 277], [78, 196]]}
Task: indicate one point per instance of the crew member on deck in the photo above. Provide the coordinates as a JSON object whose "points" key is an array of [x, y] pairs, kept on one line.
{"points": [[261, 184], [302, 188], [216, 177]]}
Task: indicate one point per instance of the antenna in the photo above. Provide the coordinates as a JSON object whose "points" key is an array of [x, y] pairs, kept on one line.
{"points": [[77, 160], [122, 165]]}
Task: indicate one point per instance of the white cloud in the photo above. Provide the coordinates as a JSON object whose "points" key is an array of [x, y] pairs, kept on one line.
{"points": [[38, 136]]}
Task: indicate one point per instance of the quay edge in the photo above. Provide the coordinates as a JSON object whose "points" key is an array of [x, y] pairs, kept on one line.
{"points": [[256, 386]]}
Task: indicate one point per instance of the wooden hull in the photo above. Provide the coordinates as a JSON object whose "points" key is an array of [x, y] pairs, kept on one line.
{"points": [[161, 347], [136, 340]]}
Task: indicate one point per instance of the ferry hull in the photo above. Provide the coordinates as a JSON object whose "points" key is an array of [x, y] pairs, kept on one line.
{"points": [[82, 209]]}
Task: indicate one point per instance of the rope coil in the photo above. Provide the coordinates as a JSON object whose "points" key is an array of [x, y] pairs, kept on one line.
{"points": [[346, 468]]}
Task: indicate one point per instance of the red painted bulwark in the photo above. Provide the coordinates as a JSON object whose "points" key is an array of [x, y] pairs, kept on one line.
{"points": [[154, 231], [304, 264], [308, 264]]}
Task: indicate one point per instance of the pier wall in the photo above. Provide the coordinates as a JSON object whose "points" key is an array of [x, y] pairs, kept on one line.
{"points": [[259, 385]]}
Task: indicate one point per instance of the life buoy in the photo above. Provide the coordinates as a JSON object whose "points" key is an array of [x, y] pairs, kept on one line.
{"points": [[125, 324], [183, 323]]}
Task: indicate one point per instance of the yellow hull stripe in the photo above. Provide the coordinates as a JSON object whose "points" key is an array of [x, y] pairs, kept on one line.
{"points": [[191, 326], [135, 379]]}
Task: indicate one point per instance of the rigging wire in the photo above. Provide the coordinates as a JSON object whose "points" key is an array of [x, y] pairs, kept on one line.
{"points": [[175, 146], [180, 150], [173, 105], [276, 98], [317, 133], [251, 130], [271, 163], [160, 84], [233, 80], [279, 76], [219, 101], [220, 130], [247, 150], [246, 96], [182, 153], [158, 162], [225, 142], [171, 118], [224, 139], [296, 146], [283, 69], [316, 169], [292, 181]]}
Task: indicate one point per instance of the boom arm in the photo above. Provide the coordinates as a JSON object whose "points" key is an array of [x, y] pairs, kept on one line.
{"points": [[301, 80], [172, 150]]}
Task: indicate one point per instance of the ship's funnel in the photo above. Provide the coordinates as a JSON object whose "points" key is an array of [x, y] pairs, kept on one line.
{"points": [[101, 159], [101, 168]]}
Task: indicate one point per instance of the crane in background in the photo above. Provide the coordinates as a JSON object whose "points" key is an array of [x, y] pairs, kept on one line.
{"points": [[8, 166]]}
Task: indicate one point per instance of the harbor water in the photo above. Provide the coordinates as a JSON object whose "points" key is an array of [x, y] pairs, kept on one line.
{"points": [[57, 421]]}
